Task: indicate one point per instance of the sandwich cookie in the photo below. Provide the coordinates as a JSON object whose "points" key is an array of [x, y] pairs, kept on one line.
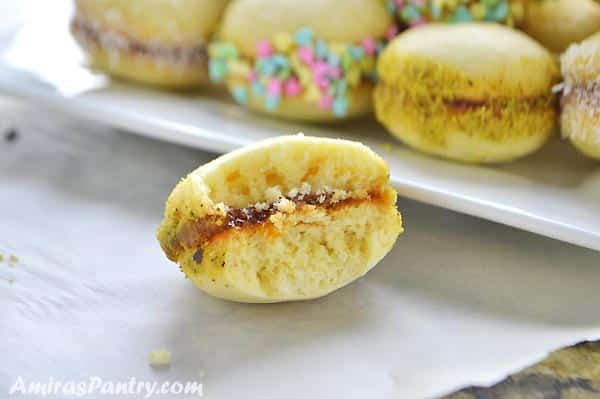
{"points": [[157, 42], [290, 218], [311, 60], [580, 118], [477, 92], [558, 23]]}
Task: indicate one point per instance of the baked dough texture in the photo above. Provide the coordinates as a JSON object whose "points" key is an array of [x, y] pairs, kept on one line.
{"points": [[558, 23], [157, 42], [310, 60], [291, 218], [476, 92]]}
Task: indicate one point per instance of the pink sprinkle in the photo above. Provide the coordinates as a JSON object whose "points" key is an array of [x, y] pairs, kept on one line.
{"points": [[306, 54], [326, 102], [322, 82], [392, 32], [274, 87], [252, 76], [399, 3], [292, 87], [369, 45], [335, 72], [320, 68], [418, 21], [264, 49], [419, 2]]}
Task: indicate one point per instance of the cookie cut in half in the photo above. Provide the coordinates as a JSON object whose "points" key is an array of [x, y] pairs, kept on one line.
{"points": [[290, 218]]}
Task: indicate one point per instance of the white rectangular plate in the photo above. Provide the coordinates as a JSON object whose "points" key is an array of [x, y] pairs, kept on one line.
{"points": [[555, 192]]}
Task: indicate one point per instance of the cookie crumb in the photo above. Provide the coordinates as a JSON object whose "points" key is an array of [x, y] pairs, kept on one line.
{"points": [[160, 358], [11, 135], [12, 260], [285, 205], [201, 374]]}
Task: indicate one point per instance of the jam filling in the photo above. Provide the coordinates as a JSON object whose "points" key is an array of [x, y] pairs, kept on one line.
{"points": [[92, 34], [462, 106], [196, 233]]}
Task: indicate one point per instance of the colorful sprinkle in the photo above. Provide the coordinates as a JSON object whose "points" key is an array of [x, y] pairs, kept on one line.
{"points": [[292, 87], [283, 42], [326, 102], [297, 65], [411, 13], [306, 54], [264, 49], [217, 69], [258, 89], [274, 87], [272, 102], [240, 94], [340, 106], [304, 36]]}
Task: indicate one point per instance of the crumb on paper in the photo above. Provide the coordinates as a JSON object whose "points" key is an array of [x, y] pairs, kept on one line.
{"points": [[11, 135], [1, 257], [201, 374], [160, 358], [12, 260]]}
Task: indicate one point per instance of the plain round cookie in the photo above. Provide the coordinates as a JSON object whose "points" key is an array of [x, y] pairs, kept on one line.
{"points": [[158, 42], [558, 23], [315, 58], [471, 92], [289, 218], [580, 118]]}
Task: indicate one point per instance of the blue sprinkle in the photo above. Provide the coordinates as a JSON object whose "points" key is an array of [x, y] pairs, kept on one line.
{"points": [[321, 49], [498, 13], [304, 36], [217, 70], [436, 11], [340, 106], [266, 66], [357, 52], [258, 88], [240, 94], [280, 60], [410, 13], [341, 87], [333, 59], [462, 15], [271, 102], [391, 6]]}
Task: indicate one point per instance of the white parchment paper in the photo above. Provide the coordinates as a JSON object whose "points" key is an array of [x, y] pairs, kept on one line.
{"points": [[458, 301]]}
